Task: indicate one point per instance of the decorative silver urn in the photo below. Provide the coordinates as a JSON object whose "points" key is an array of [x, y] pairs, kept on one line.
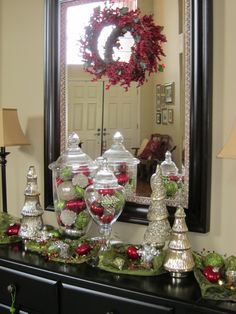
{"points": [[32, 211]]}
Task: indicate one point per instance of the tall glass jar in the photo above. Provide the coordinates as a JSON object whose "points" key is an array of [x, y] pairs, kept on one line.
{"points": [[123, 164], [105, 200], [73, 172]]}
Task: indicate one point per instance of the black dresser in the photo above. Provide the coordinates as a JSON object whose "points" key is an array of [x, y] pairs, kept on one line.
{"points": [[49, 288]]}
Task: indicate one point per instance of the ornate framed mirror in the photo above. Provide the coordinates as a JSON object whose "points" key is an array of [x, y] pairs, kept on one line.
{"points": [[198, 36]]}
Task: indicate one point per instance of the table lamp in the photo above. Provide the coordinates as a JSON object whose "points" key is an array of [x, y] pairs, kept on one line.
{"points": [[10, 135], [229, 149]]}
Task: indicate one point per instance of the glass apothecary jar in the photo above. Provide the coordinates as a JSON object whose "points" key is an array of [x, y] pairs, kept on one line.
{"points": [[105, 200], [171, 178], [123, 164], [73, 172]]}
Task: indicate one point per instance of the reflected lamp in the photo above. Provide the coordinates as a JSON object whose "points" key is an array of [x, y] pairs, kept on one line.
{"points": [[229, 149]]}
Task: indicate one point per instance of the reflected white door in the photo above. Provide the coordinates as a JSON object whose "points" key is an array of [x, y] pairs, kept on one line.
{"points": [[85, 114], [121, 113], [96, 114]]}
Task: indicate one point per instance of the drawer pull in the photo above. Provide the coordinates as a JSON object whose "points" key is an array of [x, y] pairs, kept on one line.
{"points": [[12, 290]]}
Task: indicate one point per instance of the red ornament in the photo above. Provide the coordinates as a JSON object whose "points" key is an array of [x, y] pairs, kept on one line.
{"points": [[210, 274], [77, 206], [84, 170], [90, 181], [132, 252], [123, 178], [174, 178], [97, 209], [106, 219], [13, 229], [123, 167], [83, 249], [106, 191], [58, 181]]}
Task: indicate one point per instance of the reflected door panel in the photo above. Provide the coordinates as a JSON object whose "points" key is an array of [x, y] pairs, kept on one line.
{"points": [[121, 112], [85, 114], [96, 114]]}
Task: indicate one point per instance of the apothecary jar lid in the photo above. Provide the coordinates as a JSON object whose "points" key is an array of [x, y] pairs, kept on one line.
{"points": [[117, 153], [73, 157], [104, 177]]}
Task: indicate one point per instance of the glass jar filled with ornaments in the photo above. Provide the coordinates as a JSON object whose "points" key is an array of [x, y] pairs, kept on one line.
{"points": [[105, 200], [123, 164], [73, 172]]}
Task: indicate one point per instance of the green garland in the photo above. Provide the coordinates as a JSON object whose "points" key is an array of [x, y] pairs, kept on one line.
{"points": [[7, 220], [221, 290]]}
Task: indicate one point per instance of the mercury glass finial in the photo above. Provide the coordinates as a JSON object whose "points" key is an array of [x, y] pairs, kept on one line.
{"points": [[118, 138], [73, 140]]}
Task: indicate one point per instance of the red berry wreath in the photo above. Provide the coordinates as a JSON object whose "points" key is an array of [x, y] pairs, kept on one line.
{"points": [[146, 52]]}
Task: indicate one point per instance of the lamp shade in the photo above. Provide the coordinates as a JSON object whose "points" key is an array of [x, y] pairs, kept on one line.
{"points": [[229, 149], [10, 130]]}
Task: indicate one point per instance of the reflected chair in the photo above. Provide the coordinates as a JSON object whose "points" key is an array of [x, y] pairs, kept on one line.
{"points": [[152, 152]]}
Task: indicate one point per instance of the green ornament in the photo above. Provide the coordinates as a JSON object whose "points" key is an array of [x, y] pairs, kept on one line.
{"points": [[121, 199], [55, 233], [60, 205], [79, 191], [53, 248], [171, 187], [66, 174], [213, 259], [118, 263], [82, 220], [230, 263]]}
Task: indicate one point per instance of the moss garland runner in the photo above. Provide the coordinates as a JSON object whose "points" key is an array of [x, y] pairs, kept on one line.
{"points": [[6, 221], [115, 260], [215, 291]]}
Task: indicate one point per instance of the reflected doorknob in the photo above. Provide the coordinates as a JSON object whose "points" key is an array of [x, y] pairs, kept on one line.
{"points": [[98, 132], [104, 132]]}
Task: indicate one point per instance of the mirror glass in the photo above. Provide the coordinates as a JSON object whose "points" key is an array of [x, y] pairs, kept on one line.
{"points": [[176, 102], [150, 117]]}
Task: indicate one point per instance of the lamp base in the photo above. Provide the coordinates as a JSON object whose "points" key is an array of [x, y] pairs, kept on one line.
{"points": [[3, 162]]}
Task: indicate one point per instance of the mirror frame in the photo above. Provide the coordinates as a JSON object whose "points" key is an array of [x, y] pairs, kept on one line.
{"points": [[200, 137]]}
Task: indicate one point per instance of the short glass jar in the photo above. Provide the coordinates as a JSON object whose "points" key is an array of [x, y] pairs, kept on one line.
{"points": [[73, 172], [123, 164]]}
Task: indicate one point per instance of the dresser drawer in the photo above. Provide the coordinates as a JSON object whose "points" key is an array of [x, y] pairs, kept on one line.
{"points": [[33, 294], [86, 301]]}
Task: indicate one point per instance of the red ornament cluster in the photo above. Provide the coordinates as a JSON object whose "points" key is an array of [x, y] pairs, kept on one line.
{"points": [[146, 52]]}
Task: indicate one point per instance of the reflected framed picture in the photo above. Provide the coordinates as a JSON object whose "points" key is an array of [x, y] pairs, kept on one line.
{"points": [[158, 96], [169, 93], [158, 118], [164, 116], [170, 116]]}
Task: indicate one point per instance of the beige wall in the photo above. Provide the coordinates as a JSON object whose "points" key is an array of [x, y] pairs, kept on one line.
{"points": [[21, 86]]}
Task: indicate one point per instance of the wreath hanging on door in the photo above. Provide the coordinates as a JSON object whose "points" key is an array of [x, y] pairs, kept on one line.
{"points": [[146, 53]]}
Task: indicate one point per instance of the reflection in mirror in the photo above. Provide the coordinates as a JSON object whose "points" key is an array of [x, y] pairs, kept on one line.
{"points": [[196, 81], [96, 112]]}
